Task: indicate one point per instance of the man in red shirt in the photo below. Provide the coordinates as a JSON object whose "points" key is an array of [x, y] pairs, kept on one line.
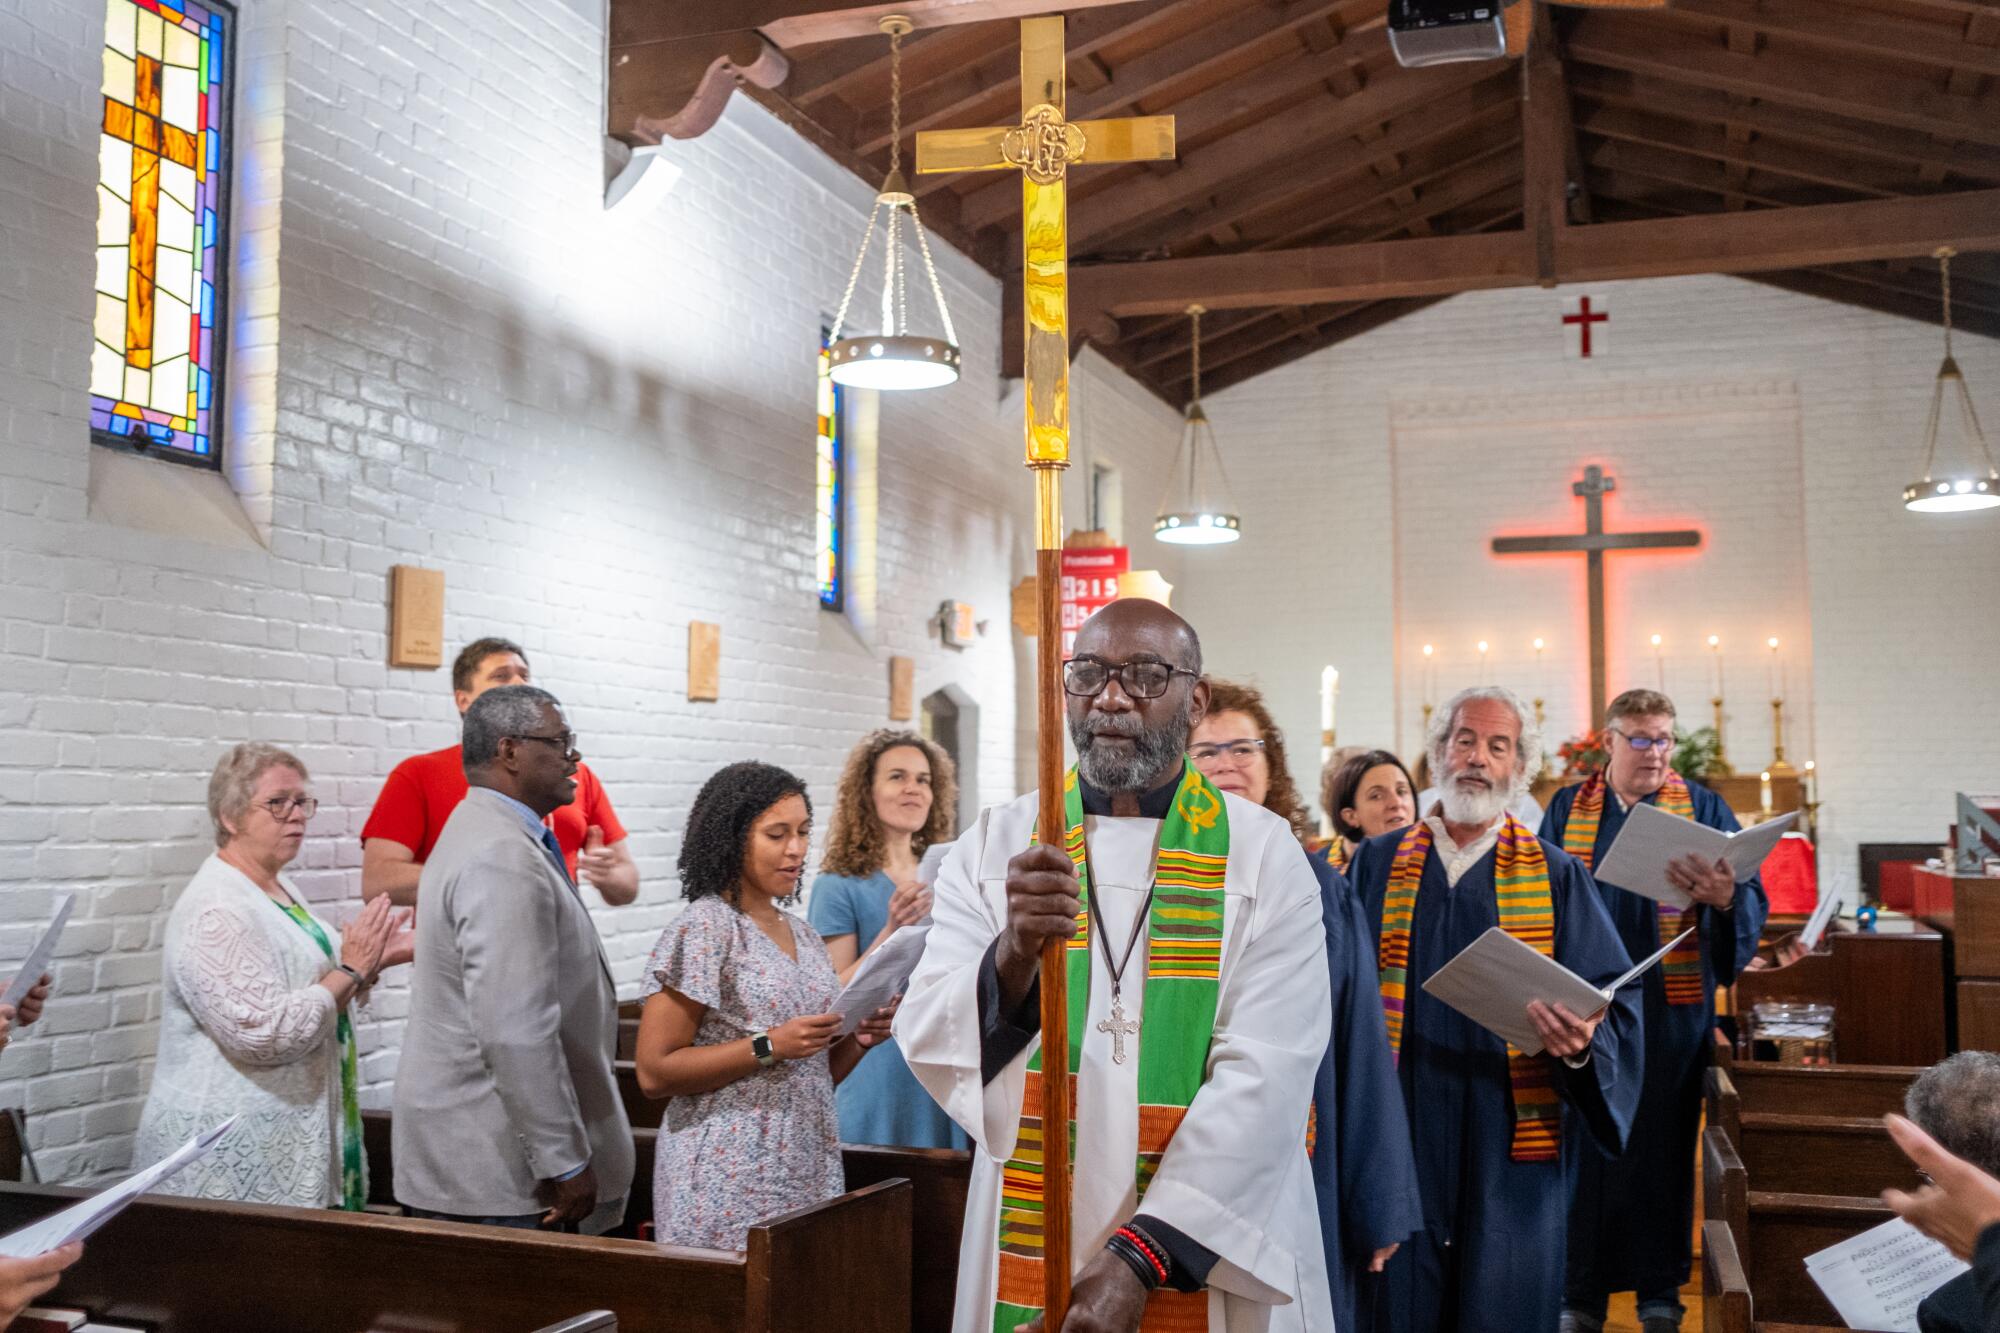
{"points": [[423, 790]]}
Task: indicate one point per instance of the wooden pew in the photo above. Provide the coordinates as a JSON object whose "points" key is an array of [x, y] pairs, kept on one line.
{"points": [[939, 1179], [1836, 1089], [1788, 1146], [184, 1265], [1725, 1290], [1774, 1231], [1887, 989], [641, 1110], [628, 1038]]}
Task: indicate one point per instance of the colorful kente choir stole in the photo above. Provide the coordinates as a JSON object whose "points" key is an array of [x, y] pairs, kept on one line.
{"points": [[1528, 913], [1681, 969], [1177, 1020]]}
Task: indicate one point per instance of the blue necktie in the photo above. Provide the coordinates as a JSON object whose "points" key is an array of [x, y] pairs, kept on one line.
{"points": [[555, 852]]}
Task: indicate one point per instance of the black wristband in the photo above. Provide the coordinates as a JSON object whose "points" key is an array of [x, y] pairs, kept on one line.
{"points": [[1141, 1266]]}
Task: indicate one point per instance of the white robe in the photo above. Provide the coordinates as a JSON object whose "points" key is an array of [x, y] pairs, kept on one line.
{"points": [[1235, 1177]]}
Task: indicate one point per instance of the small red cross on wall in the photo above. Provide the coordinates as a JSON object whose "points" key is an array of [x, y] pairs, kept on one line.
{"points": [[1583, 319]]}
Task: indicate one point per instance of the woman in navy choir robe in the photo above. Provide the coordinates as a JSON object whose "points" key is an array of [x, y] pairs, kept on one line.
{"points": [[1364, 1178], [1490, 1255], [1632, 1218], [1363, 1171]]}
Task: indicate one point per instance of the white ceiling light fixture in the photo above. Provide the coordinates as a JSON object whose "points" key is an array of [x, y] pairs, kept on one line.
{"points": [[640, 178], [1960, 488], [894, 358], [1198, 509]]}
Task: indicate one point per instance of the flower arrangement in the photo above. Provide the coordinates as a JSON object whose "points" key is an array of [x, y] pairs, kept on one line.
{"points": [[1695, 754], [1583, 755]]}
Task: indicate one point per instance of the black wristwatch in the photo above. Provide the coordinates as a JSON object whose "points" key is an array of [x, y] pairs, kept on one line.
{"points": [[760, 1046]]}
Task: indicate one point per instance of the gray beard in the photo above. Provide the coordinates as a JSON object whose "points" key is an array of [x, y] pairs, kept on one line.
{"points": [[1152, 753], [1469, 805]]}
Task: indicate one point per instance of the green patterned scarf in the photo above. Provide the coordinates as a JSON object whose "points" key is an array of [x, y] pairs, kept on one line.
{"points": [[353, 1187], [1183, 967]]}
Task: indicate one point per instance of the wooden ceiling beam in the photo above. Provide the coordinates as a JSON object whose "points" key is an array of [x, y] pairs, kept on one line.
{"points": [[1832, 285], [1803, 237], [1847, 27], [1707, 174], [1829, 133], [794, 23], [987, 91], [1312, 172], [1360, 320], [1765, 155], [1106, 213], [1548, 144], [1645, 46]]}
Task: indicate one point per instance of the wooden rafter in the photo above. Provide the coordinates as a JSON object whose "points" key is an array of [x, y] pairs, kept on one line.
{"points": [[1804, 237]]}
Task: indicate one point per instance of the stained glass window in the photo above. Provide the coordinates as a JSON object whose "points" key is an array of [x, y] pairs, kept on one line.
{"points": [[830, 559], [162, 164]]}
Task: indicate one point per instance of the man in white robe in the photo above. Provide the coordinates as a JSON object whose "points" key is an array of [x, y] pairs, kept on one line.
{"points": [[1230, 1212]]}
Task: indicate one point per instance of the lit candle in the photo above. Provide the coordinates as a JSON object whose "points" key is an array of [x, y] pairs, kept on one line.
{"points": [[1482, 661], [1812, 784], [1659, 665], [1764, 792], [1329, 693], [1715, 647], [1771, 675], [1430, 675], [1541, 671]]}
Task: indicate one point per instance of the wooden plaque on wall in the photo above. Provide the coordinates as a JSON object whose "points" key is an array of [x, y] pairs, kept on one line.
{"points": [[704, 661], [416, 617], [902, 689]]}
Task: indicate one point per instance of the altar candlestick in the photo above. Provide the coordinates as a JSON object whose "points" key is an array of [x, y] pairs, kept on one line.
{"points": [[1764, 793], [1329, 694]]}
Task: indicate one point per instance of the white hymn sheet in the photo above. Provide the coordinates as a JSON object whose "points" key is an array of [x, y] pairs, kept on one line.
{"points": [[80, 1219], [37, 961], [1652, 837], [1816, 924], [881, 976], [1876, 1279], [1494, 978]]}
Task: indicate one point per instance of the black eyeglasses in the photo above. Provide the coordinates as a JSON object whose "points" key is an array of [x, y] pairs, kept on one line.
{"points": [[1242, 751], [565, 743], [1086, 677]]}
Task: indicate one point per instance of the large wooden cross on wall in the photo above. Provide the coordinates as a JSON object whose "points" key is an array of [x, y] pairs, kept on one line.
{"points": [[1593, 542]]}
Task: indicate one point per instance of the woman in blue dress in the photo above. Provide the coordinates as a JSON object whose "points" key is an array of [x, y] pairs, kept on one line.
{"points": [[896, 798]]}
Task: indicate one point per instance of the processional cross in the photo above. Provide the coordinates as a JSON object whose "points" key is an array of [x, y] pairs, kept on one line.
{"points": [[1593, 542], [1042, 148]]}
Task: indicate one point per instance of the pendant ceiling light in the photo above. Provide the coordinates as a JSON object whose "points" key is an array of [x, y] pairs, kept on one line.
{"points": [[1197, 509], [1956, 488], [894, 358]]}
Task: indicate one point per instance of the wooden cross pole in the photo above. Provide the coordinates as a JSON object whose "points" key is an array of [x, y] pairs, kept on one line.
{"points": [[1042, 148], [1593, 542]]}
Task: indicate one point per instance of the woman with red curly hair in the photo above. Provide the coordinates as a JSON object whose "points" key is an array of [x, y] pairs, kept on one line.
{"points": [[896, 798]]}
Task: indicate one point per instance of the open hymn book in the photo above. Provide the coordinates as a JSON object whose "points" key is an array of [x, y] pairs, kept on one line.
{"points": [[82, 1218], [1652, 838], [1496, 977]]}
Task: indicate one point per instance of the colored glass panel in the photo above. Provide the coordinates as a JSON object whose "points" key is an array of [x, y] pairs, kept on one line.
{"points": [[830, 562], [161, 226]]}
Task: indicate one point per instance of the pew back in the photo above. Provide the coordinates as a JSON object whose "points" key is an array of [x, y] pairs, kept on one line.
{"points": [[1725, 1289], [185, 1265]]}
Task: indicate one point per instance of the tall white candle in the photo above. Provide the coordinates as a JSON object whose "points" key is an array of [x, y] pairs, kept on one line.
{"points": [[1764, 793], [1715, 647]]}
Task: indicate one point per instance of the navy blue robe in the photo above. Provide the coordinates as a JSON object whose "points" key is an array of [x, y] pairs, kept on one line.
{"points": [[1490, 1257], [1364, 1176], [1632, 1220]]}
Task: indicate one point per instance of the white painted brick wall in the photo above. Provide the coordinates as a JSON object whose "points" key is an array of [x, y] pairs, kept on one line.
{"points": [[598, 427], [1897, 708]]}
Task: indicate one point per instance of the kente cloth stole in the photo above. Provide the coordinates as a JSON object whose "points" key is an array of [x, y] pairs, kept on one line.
{"points": [[1681, 969], [1528, 913], [353, 1190], [1177, 1020]]}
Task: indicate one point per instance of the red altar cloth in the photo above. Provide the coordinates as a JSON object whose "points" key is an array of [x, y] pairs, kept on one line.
{"points": [[1791, 876]]}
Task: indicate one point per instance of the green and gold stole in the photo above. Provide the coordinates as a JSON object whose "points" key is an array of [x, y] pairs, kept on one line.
{"points": [[1183, 968], [353, 1189], [1528, 913], [1681, 969]]}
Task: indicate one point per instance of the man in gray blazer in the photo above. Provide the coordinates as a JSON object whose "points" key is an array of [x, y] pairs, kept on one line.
{"points": [[507, 1111]]}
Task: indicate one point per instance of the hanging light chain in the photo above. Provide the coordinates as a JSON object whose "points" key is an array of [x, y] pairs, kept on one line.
{"points": [[896, 98], [853, 277], [930, 271], [1195, 314]]}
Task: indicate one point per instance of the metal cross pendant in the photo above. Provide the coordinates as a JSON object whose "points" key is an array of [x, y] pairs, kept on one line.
{"points": [[1120, 1027]]}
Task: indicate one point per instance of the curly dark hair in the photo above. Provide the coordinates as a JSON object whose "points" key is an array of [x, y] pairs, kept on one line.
{"points": [[718, 826], [1281, 797], [855, 844]]}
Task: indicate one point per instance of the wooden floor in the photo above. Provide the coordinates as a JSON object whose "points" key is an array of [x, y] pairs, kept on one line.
{"points": [[1624, 1320]]}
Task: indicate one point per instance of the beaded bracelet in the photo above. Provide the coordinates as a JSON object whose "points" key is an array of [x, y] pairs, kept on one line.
{"points": [[1148, 1248]]}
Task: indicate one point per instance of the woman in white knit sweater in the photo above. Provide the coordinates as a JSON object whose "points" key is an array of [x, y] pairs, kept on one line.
{"points": [[254, 1021]]}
